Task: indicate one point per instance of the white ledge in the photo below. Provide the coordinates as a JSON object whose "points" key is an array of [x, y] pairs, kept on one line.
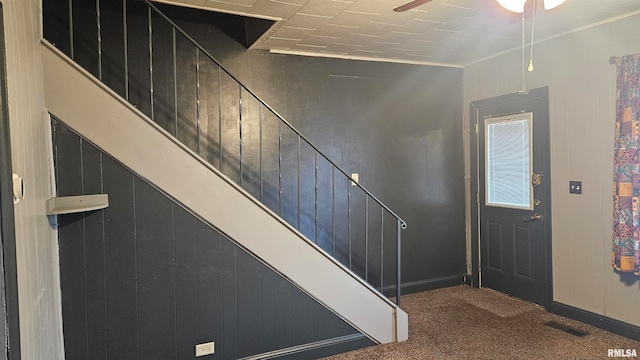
{"points": [[76, 204]]}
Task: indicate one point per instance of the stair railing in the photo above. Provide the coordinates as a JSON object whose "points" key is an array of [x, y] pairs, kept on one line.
{"points": [[323, 225]]}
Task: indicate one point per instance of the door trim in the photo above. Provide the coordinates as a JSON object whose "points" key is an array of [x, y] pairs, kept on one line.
{"points": [[7, 217], [474, 110]]}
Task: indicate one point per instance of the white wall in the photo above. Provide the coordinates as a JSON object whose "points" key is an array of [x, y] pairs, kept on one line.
{"points": [[582, 107], [37, 250]]}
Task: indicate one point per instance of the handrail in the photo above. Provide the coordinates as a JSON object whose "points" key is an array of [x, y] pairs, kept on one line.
{"points": [[204, 51], [321, 223]]}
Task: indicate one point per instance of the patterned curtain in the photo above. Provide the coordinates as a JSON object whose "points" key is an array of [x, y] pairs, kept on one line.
{"points": [[626, 182]]}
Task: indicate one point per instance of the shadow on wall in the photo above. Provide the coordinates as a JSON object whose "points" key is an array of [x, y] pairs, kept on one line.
{"points": [[629, 279]]}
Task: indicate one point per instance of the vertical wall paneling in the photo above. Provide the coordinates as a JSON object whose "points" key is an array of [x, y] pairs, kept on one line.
{"points": [[229, 301], [289, 184], [69, 174], [146, 279], [85, 35], [137, 65], [56, 24], [186, 283], [371, 118], [284, 301], [155, 266], [120, 261], [36, 253], [249, 319], [251, 116], [186, 86], [324, 207], [269, 304], [94, 255], [229, 93], [8, 280], [581, 82], [307, 190], [365, 116], [302, 321], [163, 76], [113, 45], [209, 272], [209, 112]]}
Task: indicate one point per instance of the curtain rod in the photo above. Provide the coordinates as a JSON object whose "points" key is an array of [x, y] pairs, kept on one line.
{"points": [[614, 60]]}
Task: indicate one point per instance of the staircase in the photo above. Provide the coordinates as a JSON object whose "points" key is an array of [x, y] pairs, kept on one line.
{"points": [[261, 169]]}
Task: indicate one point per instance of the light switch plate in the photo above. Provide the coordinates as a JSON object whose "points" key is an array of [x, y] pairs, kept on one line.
{"points": [[205, 349], [355, 178]]}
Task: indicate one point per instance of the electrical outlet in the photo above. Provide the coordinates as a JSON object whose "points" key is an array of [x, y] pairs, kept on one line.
{"points": [[205, 349], [355, 177]]}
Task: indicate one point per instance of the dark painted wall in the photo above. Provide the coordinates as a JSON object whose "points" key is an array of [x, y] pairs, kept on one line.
{"points": [[399, 126], [145, 279]]}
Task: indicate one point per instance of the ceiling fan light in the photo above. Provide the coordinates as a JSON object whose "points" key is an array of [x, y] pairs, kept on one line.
{"points": [[516, 6], [550, 4]]}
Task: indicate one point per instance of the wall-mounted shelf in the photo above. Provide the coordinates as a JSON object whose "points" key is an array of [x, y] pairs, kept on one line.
{"points": [[76, 204]]}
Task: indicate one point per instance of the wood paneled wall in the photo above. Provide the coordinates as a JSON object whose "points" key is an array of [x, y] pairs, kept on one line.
{"points": [[396, 125], [38, 280], [582, 117], [144, 278]]}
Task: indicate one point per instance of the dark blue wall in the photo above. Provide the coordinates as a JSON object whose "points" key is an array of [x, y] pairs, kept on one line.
{"points": [[145, 279], [399, 126]]}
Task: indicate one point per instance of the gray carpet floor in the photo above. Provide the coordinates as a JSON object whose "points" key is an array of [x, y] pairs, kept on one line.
{"points": [[462, 322]]}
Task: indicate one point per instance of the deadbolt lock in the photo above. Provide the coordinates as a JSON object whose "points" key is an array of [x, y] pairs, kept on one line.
{"points": [[536, 179], [536, 202]]}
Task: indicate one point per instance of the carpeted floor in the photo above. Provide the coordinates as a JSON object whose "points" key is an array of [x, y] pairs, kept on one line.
{"points": [[466, 323]]}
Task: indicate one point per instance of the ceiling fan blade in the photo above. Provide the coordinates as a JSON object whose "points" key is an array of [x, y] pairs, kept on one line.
{"points": [[410, 5]]}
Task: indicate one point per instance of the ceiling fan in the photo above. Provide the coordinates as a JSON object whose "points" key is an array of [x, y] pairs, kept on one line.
{"points": [[516, 6], [410, 5]]}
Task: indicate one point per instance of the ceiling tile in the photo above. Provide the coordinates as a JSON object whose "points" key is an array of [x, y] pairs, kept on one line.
{"points": [[415, 45], [438, 35], [275, 8], [319, 41], [418, 26], [444, 13], [377, 29], [350, 18], [227, 6], [197, 3], [379, 46], [287, 32], [361, 39], [457, 32], [335, 30], [324, 7], [397, 37], [343, 48], [307, 21], [277, 43]]}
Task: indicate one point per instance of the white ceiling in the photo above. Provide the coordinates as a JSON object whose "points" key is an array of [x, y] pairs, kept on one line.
{"points": [[443, 32]]}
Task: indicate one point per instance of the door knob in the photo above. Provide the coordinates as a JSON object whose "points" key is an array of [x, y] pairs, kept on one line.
{"points": [[533, 218]]}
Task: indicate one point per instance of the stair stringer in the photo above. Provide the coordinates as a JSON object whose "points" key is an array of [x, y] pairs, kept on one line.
{"points": [[105, 119]]}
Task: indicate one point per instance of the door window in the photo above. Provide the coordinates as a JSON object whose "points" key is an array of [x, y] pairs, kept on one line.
{"points": [[508, 161]]}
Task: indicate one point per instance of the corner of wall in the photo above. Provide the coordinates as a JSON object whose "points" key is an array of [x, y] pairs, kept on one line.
{"points": [[37, 254]]}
